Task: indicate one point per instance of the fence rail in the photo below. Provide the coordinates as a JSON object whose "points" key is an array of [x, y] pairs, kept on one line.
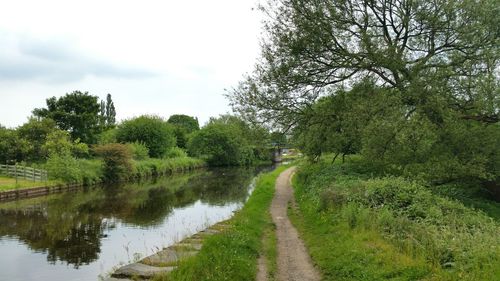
{"points": [[22, 172]]}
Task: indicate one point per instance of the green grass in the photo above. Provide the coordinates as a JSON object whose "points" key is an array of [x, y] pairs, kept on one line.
{"points": [[8, 183], [232, 255], [471, 195], [156, 167], [270, 251], [362, 228]]}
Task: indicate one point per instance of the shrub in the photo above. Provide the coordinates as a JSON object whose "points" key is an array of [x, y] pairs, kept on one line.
{"points": [[108, 136], [183, 126], [138, 150], [59, 142], [176, 152], [152, 131], [220, 145], [117, 161], [64, 167]]}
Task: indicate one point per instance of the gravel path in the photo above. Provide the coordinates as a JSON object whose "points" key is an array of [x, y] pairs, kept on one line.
{"points": [[294, 263]]}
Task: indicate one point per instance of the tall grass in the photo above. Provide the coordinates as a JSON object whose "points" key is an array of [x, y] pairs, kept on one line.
{"points": [[90, 171], [441, 238], [157, 167]]}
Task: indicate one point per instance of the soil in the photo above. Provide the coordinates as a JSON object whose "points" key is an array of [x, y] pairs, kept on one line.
{"points": [[294, 263]]}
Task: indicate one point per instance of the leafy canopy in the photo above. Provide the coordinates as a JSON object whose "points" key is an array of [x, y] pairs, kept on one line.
{"points": [[152, 131], [76, 112]]}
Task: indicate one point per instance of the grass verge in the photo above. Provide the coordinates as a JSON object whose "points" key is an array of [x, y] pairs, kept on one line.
{"points": [[232, 254], [8, 183], [90, 171], [361, 228]]}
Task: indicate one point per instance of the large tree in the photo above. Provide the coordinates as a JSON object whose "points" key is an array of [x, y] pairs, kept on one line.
{"points": [[413, 85], [107, 113], [156, 134], [184, 125], [434, 53], [76, 112]]}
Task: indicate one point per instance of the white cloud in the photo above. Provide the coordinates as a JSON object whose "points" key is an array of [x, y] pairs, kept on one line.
{"points": [[55, 61], [153, 56]]}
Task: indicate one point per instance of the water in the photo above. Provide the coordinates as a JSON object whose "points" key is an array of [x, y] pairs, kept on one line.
{"points": [[84, 235]]}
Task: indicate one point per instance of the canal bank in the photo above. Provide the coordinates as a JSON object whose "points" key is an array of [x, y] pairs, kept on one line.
{"points": [[88, 233]]}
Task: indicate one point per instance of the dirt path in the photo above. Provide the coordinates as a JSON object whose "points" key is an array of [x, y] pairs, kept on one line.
{"points": [[294, 263]]}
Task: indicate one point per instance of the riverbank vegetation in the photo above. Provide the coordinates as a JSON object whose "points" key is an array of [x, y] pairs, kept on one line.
{"points": [[232, 254], [77, 140], [359, 227]]}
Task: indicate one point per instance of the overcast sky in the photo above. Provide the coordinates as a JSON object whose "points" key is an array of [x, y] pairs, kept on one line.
{"points": [[159, 57]]}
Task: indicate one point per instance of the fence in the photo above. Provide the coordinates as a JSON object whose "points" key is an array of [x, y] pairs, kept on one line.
{"points": [[21, 172]]}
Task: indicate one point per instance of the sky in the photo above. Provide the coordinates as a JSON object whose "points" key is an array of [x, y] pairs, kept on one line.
{"points": [[159, 57]]}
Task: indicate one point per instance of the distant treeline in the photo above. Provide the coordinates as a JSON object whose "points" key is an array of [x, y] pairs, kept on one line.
{"points": [[78, 128]]}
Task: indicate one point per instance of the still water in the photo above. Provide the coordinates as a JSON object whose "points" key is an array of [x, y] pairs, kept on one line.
{"points": [[84, 235]]}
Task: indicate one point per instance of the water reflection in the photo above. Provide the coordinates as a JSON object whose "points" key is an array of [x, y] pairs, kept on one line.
{"points": [[69, 228]]}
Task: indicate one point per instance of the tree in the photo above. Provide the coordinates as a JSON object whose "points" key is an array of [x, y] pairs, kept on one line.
{"points": [[77, 113], [35, 132], [156, 134], [107, 113], [393, 80], [438, 54], [230, 141], [183, 126], [190, 124], [219, 145], [12, 147], [58, 142]]}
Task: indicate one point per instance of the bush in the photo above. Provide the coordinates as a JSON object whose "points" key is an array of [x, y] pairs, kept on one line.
{"points": [[59, 142], [72, 170], [152, 131], [183, 126], [117, 161], [220, 145], [108, 136], [138, 150], [176, 152], [64, 167]]}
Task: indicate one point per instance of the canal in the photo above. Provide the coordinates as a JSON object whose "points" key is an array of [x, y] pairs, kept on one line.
{"points": [[84, 235]]}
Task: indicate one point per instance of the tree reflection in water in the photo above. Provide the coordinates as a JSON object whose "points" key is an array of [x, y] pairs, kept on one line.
{"points": [[69, 227]]}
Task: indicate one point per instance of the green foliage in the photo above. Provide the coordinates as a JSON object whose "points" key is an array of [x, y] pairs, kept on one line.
{"points": [[117, 161], [107, 137], [35, 132], [232, 255], [107, 114], [176, 152], [152, 131], [219, 144], [188, 123], [58, 142], [382, 79], [74, 171], [183, 126], [228, 141], [447, 240], [12, 147], [138, 150], [157, 167], [76, 112]]}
